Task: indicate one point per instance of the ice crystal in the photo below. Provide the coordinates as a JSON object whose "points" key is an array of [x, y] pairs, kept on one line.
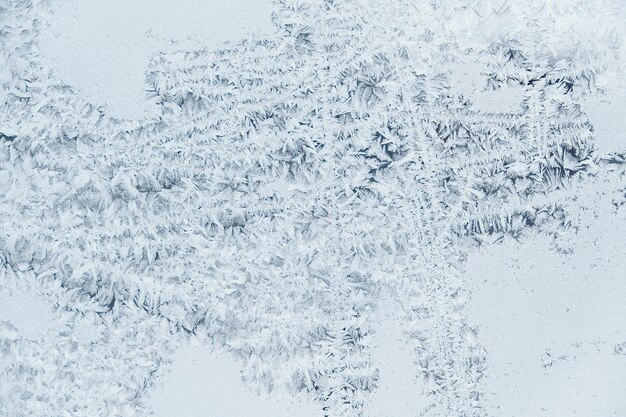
{"points": [[285, 187]]}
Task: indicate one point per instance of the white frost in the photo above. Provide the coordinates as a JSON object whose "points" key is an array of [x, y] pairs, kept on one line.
{"points": [[550, 322], [399, 393], [30, 314], [200, 382], [103, 48]]}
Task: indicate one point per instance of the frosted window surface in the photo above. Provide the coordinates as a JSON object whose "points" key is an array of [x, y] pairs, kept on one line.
{"points": [[200, 382], [269, 177], [28, 314], [400, 391], [469, 80], [606, 112], [550, 322], [103, 48]]}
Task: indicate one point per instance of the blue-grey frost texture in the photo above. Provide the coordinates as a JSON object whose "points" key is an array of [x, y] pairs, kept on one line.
{"points": [[285, 187]]}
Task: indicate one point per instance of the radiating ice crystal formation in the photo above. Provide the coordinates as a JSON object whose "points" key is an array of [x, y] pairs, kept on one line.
{"points": [[285, 185]]}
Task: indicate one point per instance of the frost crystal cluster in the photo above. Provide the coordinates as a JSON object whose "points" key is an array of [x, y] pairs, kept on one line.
{"points": [[285, 187]]}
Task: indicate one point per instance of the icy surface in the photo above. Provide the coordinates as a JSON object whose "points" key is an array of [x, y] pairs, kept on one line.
{"points": [[199, 382], [269, 192], [551, 322], [606, 111], [103, 48], [30, 314], [469, 80], [399, 391]]}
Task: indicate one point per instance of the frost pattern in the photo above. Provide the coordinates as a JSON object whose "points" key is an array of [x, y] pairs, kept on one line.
{"points": [[286, 187]]}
